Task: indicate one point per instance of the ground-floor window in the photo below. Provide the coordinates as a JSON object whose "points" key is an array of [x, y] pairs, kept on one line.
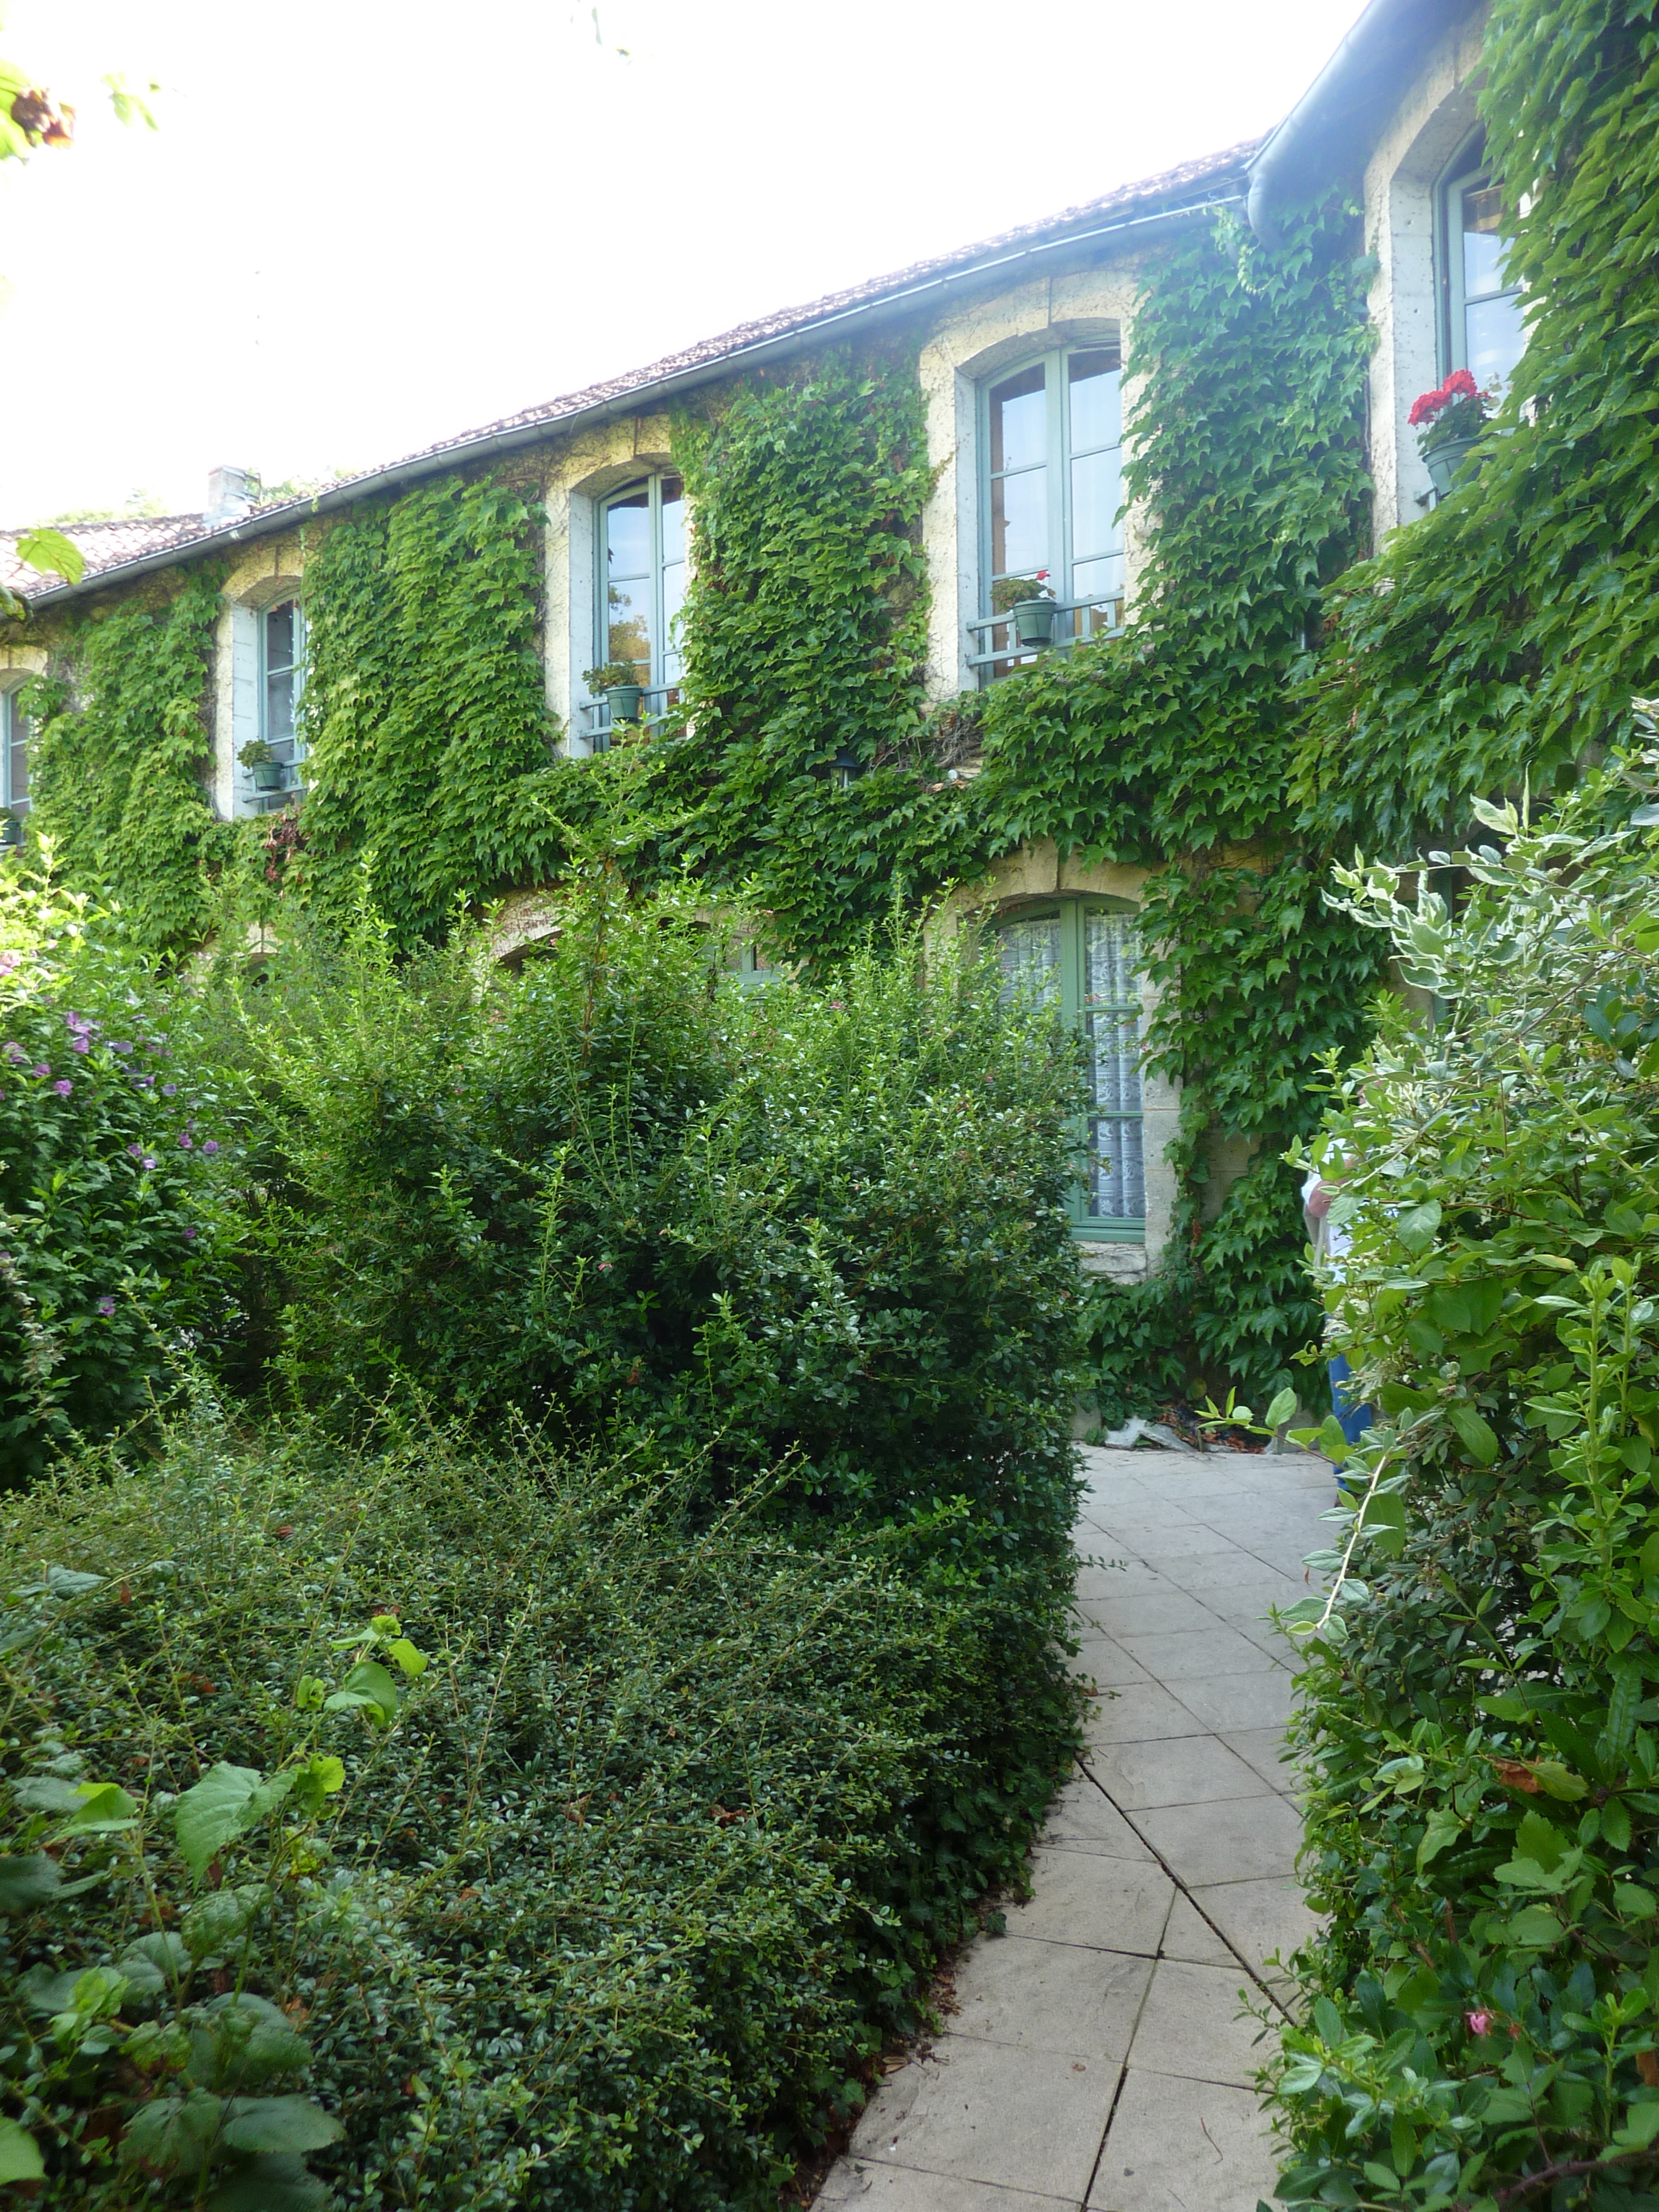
{"points": [[1082, 956]]}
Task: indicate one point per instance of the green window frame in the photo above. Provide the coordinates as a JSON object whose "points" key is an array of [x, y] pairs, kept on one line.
{"points": [[1051, 483], [1083, 955], [640, 547], [15, 735], [282, 681], [1482, 325]]}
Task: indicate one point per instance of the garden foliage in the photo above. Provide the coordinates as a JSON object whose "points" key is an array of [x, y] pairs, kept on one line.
{"points": [[627, 1197], [113, 1142], [467, 1832], [1478, 1710], [1504, 634]]}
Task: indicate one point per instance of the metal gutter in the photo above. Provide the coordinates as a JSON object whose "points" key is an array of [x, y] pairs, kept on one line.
{"points": [[491, 443], [1328, 136]]}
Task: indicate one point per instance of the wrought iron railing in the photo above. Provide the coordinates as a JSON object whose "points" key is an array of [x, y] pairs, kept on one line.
{"points": [[1074, 621], [655, 701]]}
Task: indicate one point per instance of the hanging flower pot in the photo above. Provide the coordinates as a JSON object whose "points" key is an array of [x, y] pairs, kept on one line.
{"points": [[267, 775], [1445, 461], [1034, 621], [624, 701]]}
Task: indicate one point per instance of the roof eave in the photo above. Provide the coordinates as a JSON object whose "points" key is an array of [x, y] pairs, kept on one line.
{"points": [[490, 445], [1329, 134]]}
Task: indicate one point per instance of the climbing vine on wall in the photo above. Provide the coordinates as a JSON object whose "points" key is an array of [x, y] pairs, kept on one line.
{"points": [[805, 633], [119, 758], [426, 716], [1505, 632], [1172, 747]]}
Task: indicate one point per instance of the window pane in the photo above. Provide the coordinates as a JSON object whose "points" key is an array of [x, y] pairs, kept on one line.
{"points": [[1096, 495], [1110, 956], [17, 749], [1020, 524], [1029, 951], [674, 520], [279, 713], [629, 630], [1117, 1188], [1020, 421], [1484, 242], [673, 597], [1100, 582], [279, 636], [627, 534], [1097, 401], [1495, 337]]}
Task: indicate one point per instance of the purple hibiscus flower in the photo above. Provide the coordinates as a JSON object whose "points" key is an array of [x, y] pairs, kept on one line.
{"points": [[106, 1305], [62, 1086], [211, 1145]]}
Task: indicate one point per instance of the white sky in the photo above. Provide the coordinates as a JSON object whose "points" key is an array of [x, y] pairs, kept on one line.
{"points": [[365, 226]]}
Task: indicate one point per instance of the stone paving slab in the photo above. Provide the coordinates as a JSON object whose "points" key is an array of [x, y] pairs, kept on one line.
{"points": [[1101, 2053]]}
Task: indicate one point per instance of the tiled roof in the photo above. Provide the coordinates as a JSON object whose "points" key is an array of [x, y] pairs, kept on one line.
{"points": [[112, 545], [103, 545]]}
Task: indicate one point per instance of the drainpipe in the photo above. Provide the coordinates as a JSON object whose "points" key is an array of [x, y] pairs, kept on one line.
{"points": [[1327, 137]]}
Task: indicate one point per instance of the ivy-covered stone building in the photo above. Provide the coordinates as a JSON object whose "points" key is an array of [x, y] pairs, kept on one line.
{"points": [[1009, 581]]}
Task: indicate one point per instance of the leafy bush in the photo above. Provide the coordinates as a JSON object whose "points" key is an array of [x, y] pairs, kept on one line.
{"points": [[623, 1197], [111, 1138], [1478, 1710], [479, 1833]]}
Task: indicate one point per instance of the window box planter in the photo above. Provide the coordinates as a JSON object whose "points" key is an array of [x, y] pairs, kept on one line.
{"points": [[624, 701], [11, 831], [1444, 462], [267, 775], [1034, 621]]}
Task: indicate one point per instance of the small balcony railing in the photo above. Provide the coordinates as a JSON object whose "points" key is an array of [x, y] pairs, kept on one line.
{"points": [[1074, 621], [655, 701]]}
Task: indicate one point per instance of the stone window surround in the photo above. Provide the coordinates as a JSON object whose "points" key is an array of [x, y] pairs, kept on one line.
{"points": [[18, 664], [594, 464], [964, 352], [1034, 875], [1428, 131], [262, 580]]}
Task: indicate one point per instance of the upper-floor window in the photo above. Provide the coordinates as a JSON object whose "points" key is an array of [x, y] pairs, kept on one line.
{"points": [[282, 677], [1052, 437], [14, 755], [642, 583], [1482, 328], [1082, 956]]}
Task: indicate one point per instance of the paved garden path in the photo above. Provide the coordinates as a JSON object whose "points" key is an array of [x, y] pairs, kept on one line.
{"points": [[1098, 2055]]}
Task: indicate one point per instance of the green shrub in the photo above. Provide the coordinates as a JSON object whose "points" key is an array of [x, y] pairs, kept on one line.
{"points": [[1478, 1709], [111, 1143], [638, 1203], [604, 1905]]}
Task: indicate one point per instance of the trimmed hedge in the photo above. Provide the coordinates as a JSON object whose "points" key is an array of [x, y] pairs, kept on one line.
{"points": [[642, 1870]]}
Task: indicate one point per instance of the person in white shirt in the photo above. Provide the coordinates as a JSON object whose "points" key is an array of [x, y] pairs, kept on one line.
{"points": [[1332, 1244]]}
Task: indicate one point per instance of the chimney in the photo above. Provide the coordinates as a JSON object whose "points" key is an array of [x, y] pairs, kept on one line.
{"points": [[229, 494]]}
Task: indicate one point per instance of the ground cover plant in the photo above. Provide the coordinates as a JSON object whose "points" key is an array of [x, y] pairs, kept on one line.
{"points": [[1477, 1713], [114, 1144], [472, 1830], [635, 1202]]}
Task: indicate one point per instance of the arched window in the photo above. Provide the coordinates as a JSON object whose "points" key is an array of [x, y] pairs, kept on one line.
{"points": [[282, 653], [1082, 955], [641, 546], [1051, 438], [1482, 328]]}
